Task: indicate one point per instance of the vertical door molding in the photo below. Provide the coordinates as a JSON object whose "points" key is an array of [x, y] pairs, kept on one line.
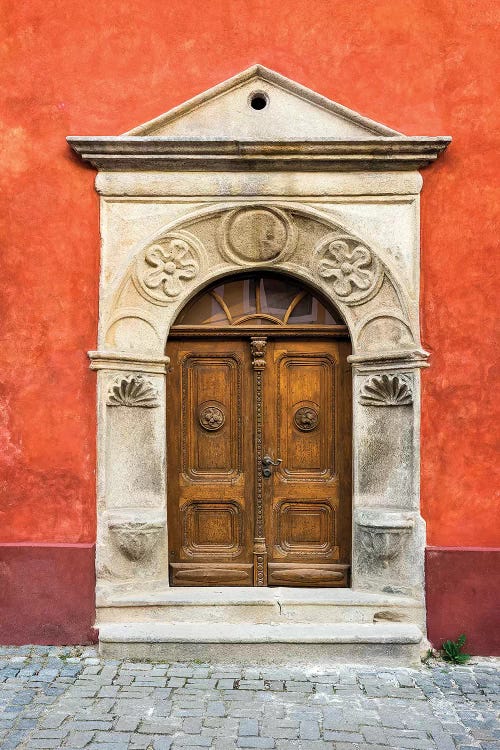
{"points": [[258, 350]]}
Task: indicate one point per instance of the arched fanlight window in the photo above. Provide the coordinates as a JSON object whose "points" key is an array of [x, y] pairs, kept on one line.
{"points": [[255, 301]]}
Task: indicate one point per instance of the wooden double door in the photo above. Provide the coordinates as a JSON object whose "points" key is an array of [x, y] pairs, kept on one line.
{"points": [[259, 460]]}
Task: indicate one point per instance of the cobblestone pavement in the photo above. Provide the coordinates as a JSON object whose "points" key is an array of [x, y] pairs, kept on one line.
{"points": [[68, 698]]}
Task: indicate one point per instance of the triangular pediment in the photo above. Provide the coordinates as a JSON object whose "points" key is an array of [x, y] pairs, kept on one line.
{"points": [[294, 128], [259, 105]]}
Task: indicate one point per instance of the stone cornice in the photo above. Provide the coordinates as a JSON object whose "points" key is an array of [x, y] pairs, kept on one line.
{"points": [[403, 359], [149, 153], [125, 361]]}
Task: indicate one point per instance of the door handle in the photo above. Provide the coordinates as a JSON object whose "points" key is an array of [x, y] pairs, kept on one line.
{"points": [[267, 462]]}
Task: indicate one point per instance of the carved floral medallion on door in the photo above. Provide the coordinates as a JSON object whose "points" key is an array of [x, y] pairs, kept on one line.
{"points": [[258, 420]]}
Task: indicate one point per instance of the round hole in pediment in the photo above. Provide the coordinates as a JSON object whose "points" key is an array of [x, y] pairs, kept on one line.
{"points": [[258, 100]]}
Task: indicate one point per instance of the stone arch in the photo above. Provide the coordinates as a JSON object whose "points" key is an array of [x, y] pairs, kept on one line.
{"points": [[164, 271], [381, 312]]}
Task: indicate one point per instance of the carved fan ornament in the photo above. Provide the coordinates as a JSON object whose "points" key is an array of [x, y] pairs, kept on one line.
{"points": [[133, 390], [167, 264], [350, 267], [386, 390]]}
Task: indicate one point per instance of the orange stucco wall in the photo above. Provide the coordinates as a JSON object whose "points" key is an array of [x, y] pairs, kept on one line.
{"points": [[103, 66]]}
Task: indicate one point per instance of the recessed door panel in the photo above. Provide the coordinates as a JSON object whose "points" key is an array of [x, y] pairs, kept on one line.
{"points": [[301, 574], [212, 528], [210, 464], [305, 527], [211, 416], [305, 436]]}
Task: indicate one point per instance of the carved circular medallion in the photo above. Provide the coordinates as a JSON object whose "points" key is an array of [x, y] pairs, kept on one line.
{"points": [[255, 234], [350, 268], [211, 417], [306, 418], [164, 267]]}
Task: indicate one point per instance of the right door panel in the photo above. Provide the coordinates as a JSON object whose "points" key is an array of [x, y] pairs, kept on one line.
{"points": [[308, 497]]}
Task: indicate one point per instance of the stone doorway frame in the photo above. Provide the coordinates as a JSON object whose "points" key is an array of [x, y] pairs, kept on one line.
{"points": [[344, 213]]}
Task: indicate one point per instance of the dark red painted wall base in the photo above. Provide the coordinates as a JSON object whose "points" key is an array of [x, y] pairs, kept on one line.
{"points": [[463, 596], [47, 594]]}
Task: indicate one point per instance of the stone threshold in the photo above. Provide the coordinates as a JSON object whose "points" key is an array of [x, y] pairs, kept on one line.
{"points": [[164, 595], [256, 606], [279, 643]]}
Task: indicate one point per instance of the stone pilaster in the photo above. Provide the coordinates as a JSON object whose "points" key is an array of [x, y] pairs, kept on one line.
{"points": [[132, 539], [388, 530]]}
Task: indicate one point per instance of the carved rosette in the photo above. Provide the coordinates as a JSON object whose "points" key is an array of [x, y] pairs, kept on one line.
{"points": [[386, 390], [211, 416], [350, 268], [256, 234], [164, 267], [383, 536], [306, 418], [133, 390]]}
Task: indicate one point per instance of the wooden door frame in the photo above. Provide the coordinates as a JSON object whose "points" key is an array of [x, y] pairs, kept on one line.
{"points": [[313, 331]]}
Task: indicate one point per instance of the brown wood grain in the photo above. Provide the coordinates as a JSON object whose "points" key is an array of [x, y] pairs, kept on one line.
{"points": [[307, 499], [210, 461], [214, 483]]}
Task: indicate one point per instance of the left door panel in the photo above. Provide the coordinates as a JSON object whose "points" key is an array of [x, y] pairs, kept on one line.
{"points": [[210, 463]]}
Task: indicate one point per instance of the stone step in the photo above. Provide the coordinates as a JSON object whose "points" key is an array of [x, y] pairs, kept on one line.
{"points": [[256, 605], [250, 643]]}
